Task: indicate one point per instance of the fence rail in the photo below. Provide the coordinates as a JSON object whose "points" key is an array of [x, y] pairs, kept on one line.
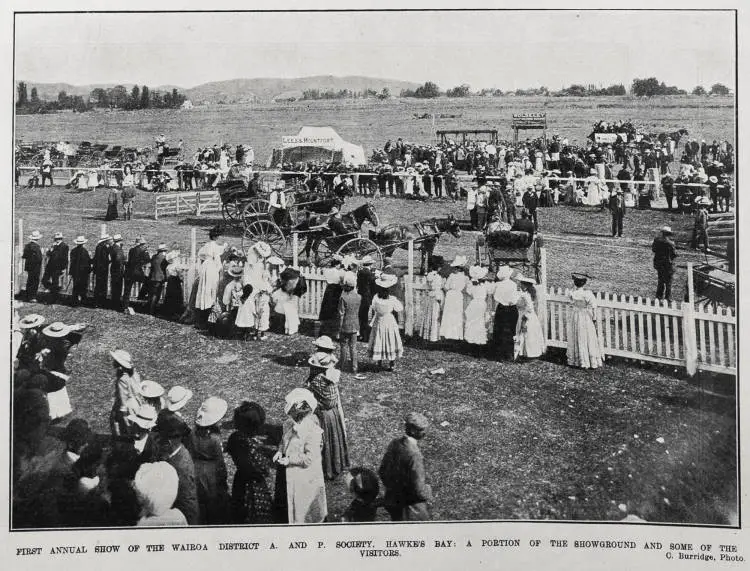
{"points": [[194, 203]]}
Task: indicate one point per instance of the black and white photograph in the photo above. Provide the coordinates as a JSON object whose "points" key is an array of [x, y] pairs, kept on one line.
{"points": [[344, 267]]}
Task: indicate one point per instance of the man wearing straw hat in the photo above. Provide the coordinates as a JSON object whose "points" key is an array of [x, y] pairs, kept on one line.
{"points": [[57, 262], [664, 255], [157, 277], [32, 254], [135, 272], [101, 269], [79, 270]]}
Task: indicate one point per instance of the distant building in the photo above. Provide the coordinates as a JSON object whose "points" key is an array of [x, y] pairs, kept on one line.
{"points": [[187, 104]]}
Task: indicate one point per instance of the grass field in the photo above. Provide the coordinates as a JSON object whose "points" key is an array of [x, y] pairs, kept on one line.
{"points": [[534, 440]]}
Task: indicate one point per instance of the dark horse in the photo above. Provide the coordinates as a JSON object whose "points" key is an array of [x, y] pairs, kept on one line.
{"points": [[316, 228], [425, 235]]}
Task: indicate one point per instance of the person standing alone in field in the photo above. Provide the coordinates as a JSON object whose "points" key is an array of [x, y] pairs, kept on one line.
{"points": [[128, 195], [664, 255], [403, 474], [617, 209]]}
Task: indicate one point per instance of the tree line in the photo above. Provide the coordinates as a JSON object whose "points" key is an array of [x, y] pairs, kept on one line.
{"points": [[316, 94], [117, 97], [647, 87]]}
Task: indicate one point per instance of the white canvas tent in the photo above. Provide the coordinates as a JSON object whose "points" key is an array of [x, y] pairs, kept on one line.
{"points": [[318, 144]]}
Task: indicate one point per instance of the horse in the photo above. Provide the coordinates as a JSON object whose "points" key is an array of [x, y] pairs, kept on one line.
{"points": [[316, 227], [425, 234]]}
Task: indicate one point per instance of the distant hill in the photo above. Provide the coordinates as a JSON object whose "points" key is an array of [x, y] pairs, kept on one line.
{"points": [[240, 90]]}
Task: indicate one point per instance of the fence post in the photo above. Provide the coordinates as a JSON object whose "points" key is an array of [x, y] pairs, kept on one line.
{"points": [[156, 208], [191, 267], [542, 291], [103, 231], [19, 261], [688, 326], [198, 203], [295, 249], [409, 317]]}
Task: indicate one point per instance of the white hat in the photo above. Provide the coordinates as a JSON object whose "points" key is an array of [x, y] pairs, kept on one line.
{"points": [[212, 410], [275, 261], [177, 397], [56, 329], [35, 235], [322, 360], [477, 272], [367, 260], [104, 238], [117, 237], [263, 249], [325, 342], [526, 280], [30, 321], [666, 229], [713, 179], [504, 272], [297, 396], [58, 236], [145, 416], [151, 389], [162, 247], [459, 262], [156, 484], [122, 357], [235, 271], [386, 280]]}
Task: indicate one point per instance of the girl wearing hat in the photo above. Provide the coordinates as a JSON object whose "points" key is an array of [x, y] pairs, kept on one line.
{"points": [[530, 342], [385, 340], [452, 320], [257, 274], [251, 501], [300, 487], [428, 327], [232, 298], [127, 390], [584, 349], [291, 287], [205, 447], [323, 383], [475, 330], [30, 326], [209, 274], [506, 313]]}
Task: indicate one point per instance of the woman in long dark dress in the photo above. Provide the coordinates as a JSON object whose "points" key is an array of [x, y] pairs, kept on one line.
{"points": [[506, 314], [112, 199], [329, 305], [208, 457], [322, 382], [251, 499], [174, 303]]}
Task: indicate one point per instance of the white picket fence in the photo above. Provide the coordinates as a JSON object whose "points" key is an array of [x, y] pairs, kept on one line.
{"points": [[186, 203]]}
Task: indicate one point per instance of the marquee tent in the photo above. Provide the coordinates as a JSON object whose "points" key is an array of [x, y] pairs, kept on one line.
{"points": [[317, 144]]}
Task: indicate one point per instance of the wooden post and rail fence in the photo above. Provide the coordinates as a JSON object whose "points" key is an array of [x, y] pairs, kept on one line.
{"points": [[681, 334]]}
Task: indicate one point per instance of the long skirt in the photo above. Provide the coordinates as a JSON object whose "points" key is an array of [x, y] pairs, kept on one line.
{"points": [[173, 297], [531, 342], [452, 321], [329, 311], [476, 326], [111, 212], [213, 497], [584, 349], [335, 449], [429, 324], [504, 329], [209, 275], [385, 340]]}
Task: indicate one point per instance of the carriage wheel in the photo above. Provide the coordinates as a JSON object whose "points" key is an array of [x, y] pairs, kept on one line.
{"points": [[254, 210], [323, 254], [231, 209], [360, 247], [266, 231]]}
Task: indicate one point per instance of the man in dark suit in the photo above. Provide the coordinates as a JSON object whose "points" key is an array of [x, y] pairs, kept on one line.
{"points": [[101, 270], [138, 259], [403, 474], [617, 209], [348, 312], [116, 270], [170, 430], [79, 270], [531, 203], [32, 254], [667, 185], [157, 276], [664, 255], [524, 224], [57, 263]]}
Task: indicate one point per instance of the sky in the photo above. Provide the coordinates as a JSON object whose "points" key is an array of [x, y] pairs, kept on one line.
{"points": [[500, 49]]}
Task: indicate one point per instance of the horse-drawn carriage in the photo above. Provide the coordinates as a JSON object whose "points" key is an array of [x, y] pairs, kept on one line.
{"points": [[516, 249], [713, 286]]}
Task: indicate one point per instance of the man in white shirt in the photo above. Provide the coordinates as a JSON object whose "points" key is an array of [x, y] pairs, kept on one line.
{"points": [[278, 209], [471, 205]]}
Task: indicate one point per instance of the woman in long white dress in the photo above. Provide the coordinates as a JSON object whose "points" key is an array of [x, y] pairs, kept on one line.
{"points": [[428, 326], [452, 320], [385, 339], [475, 328], [584, 348], [530, 342], [592, 189], [209, 272]]}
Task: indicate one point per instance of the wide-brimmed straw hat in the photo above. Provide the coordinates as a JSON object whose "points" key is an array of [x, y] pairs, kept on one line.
{"points": [[325, 342], [30, 321], [504, 272], [80, 240], [367, 260], [526, 280], [477, 272], [666, 229], [162, 247], [57, 236], [322, 360], [212, 410], [177, 397], [386, 280], [35, 235], [275, 261], [145, 416], [235, 271], [56, 329], [122, 357], [459, 262], [263, 249], [151, 389]]}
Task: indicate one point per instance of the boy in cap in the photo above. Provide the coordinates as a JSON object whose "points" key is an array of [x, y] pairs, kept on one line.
{"points": [[403, 474]]}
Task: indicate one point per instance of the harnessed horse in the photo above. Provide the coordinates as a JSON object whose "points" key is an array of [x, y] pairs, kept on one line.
{"points": [[425, 234], [317, 228]]}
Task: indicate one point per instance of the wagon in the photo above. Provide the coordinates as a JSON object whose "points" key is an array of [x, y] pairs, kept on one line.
{"points": [[349, 244], [713, 285], [234, 197], [512, 249]]}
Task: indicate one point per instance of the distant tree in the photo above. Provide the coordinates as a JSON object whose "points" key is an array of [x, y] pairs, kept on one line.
{"points": [[716, 89], [145, 98], [575, 90], [385, 93], [645, 87], [23, 96], [427, 91], [698, 90], [135, 97], [34, 95], [460, 91]]}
